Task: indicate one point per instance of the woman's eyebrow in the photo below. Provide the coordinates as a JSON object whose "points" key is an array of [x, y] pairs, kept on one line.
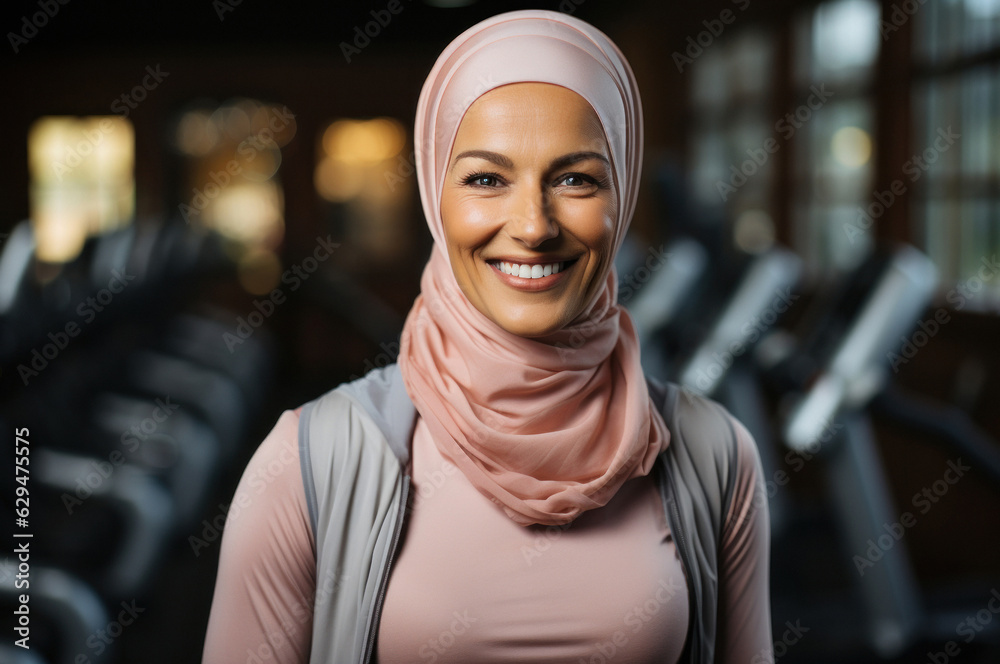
{"points": [[505, 162], [574, 157], [495, 157]]}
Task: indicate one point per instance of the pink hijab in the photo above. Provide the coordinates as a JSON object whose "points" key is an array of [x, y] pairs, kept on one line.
{"points": [[546, 429]]}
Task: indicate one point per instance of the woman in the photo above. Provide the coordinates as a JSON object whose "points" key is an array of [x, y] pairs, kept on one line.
{"points": [[513, 490]]}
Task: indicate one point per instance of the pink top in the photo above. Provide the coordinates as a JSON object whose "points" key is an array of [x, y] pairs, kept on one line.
{"points": [[469, 584]]}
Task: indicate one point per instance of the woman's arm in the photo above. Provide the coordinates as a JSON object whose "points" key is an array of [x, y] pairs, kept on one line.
{"points": [[744, 634], [263, 604]]}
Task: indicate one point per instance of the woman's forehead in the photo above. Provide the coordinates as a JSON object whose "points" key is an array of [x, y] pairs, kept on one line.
{"points": [[536, 113]]}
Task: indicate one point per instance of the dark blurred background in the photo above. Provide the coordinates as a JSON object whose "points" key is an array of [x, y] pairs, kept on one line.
{"points": [[208, 214]]}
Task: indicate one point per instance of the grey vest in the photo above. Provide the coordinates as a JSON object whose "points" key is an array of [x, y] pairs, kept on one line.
{"points": [[354, 445]]}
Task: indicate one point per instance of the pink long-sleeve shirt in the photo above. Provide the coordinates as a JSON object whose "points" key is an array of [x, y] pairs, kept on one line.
{"points": [[470, 585]]}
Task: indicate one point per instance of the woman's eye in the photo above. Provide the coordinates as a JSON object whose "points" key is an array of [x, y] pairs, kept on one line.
{"points": [[575, 180], [483, 180]]}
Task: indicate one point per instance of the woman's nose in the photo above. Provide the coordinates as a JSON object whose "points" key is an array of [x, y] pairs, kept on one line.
{"points": [[531, 221]]}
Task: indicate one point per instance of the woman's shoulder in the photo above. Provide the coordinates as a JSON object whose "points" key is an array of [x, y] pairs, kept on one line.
{"points": [[356, 434], [699, 424], [713, 421], [376, 405], [379, 394], [708, 441]]}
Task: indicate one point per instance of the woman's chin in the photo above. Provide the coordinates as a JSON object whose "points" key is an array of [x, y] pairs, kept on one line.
{"points": [[530, 322]]}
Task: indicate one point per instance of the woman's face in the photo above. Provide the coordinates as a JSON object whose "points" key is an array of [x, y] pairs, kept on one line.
{"points": [[529, 206]]}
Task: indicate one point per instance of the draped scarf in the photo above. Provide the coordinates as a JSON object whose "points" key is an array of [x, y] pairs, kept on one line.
{"points": [[545, 427]]}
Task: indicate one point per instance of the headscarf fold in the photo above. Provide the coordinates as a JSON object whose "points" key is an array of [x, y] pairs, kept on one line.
{"points": [[545, 428]]}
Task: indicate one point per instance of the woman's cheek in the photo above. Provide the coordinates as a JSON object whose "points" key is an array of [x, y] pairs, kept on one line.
{"points": [[481, 217], [464, 222], [592, 222]]}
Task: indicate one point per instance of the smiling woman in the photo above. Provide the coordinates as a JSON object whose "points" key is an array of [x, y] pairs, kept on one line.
{"points": [[515, 489], [529, 206]]}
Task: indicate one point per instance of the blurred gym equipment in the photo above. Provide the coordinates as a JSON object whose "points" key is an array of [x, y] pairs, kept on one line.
{"points": [[134, 404]]}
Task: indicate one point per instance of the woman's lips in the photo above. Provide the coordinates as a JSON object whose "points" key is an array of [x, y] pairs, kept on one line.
{"points": [[536, 276]]}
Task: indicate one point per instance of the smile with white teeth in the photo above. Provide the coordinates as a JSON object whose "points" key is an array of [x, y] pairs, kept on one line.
{"points": [[526, 271]]}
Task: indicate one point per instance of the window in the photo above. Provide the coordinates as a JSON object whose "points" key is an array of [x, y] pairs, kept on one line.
{"points": [[823, 129], [82, 181], [232, 184], [817, 102], [734, 132], [956, 106], [366, 179], [835, 49]]}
